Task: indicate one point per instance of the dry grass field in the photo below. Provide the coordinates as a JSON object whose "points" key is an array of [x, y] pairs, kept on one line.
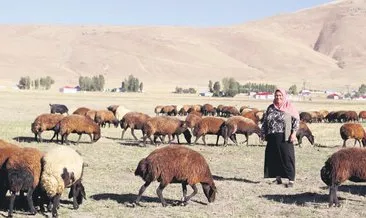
{"points": [[238, 170]]}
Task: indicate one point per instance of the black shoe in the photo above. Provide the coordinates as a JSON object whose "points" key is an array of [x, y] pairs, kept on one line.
{"points": [[277, 181]]}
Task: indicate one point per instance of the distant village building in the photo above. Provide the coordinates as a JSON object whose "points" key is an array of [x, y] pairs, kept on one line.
{"points": [[264, 95], [305, 92], [69, 89], [206, 94], [334, 96]]}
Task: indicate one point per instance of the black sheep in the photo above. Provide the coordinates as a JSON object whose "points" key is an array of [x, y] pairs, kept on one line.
{"points": [[59, 108]]}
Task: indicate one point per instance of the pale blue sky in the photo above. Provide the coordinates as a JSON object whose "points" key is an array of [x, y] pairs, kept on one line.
{"points": [[146, 12]]}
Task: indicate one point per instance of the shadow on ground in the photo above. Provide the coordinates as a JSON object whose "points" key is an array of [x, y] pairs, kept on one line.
{"points": [[221, 178]]}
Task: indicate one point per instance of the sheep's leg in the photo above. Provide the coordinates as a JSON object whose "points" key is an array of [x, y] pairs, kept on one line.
{"points": [[332, 193], [204, 139], [123, 132], [30, 201], [91, 138], [233, 138], [194, 187], [144, 140], [225, 140], [159, 191], [344, 143], [197, 137], [54, 134], [335, 198], [169, 138], [40, 137], [246, 138], [217, 140], [11, 205], [56, 203], [178, 139], [35, 137], [184, 189], [80, 138], [133, 133], [141, 191], [75, 192]]}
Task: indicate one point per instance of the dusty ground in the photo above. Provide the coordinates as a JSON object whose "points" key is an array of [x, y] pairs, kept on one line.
{"points": [[238, 170]]}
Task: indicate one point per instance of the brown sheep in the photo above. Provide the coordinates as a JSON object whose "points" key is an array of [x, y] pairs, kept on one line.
{"points": [[208, 125], [192, 119], [81, 111], [219, 110], [105, 116], [170, 110], [6, 150], [304, 131], [113, 108], [78, 124], [164, 126], [355, 131], [23, 171], [239, 125], [349, 116], [306, 117], [184, 110], [345, 164], [45, 122], [228, 111], [133, 120], [91, 114], [251, 115], [195, 107], [158, 109], [208, 109], [176, 164], [362, 115]]}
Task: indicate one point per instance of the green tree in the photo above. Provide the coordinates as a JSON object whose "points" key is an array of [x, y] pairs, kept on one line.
{"points": [[36, 84], [216, 88], [24, 83], [141, 86], [362, 89], [210, 86], [293, 90], [231, 86]]}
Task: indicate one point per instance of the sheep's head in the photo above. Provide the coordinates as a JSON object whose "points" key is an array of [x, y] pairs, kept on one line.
{"points": [[325, 174], [115, 122], [96, 136], [210, 192], [187, 135], [311, 139], [144, 170]]}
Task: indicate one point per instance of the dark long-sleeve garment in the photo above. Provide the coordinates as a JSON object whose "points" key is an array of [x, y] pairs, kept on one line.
{"points": [[280, 153]]}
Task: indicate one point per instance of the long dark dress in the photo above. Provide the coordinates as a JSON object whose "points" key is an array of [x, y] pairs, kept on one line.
{"points": [[280, 154]]}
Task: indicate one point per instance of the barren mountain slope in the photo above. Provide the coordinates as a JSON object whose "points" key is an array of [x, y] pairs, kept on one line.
{"points": [[165, 57]]}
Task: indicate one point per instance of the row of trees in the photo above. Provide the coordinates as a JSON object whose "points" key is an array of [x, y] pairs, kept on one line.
{"points": [[132, 84], [39, 83], [95, 83], [231, 87], [181, 90]]}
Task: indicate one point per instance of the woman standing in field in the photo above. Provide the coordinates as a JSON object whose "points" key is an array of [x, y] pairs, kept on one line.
{"points": [[280, 124]]}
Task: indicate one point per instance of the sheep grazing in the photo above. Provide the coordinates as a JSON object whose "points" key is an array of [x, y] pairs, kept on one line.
{"points": [[362, 116], [239, 125], [176, 164], [192, 119], [170, 110], [23, 171], [105, 116], [91, 114], [306, 117], [133, 120], [78, 124], [59, 108], [118, 110], [6, 150], [304, 131], [345, 164], [208, 109], [164, 126], [355, 131], [158, 109], [63, 168], [81, 111], [45, 122], [208, 125]]}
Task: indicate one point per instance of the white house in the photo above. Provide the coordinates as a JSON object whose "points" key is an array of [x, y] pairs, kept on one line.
{"points": [[68, 89], [264, 95]]}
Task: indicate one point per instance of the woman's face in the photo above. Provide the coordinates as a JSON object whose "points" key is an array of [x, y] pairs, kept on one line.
{"points": [[278, 98]]}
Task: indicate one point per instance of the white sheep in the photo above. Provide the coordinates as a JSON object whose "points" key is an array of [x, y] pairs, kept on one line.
{"points": [[62, 168]]}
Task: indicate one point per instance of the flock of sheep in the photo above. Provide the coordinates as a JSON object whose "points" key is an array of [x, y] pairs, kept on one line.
{"points": [[44, 176]]}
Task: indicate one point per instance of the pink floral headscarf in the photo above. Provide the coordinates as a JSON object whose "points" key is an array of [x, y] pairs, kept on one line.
{"points": [[286, 105]]}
